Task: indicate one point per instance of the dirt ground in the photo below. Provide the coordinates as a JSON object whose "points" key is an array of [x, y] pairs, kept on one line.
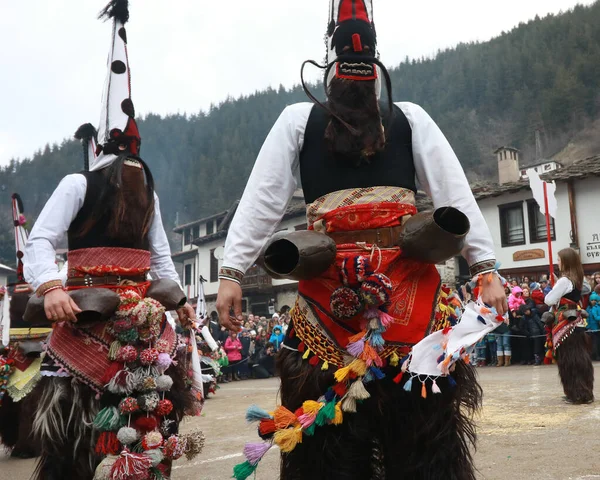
{"points": [[525, 431]]}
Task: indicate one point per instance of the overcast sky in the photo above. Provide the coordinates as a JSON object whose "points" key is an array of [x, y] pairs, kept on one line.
{"points": [[187, 54]]}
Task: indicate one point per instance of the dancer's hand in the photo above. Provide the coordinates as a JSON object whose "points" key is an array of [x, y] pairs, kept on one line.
{"points": [[60, 307], [492, 293], [186, 315], [230, 296]]}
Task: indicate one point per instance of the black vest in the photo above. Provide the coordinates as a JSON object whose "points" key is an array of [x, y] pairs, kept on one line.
{"points": [[98, 235], [321, 173], [574, 296]]}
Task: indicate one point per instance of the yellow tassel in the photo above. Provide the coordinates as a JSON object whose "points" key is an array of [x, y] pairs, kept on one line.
{"points": [[325, 365], [306, 354], [358, 391], [310, 407], [288, 439], [394, 360], [358, 366], [339, 416], [423, 390], [341, 374]]}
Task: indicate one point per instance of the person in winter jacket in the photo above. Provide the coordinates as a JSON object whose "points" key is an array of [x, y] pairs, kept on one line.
{"points": [[533, 328], [277, 337], [593, 324], [233, 348], [515, 299]]}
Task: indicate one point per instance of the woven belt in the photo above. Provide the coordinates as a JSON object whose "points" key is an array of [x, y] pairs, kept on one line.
{"points": [[89, 281], [385, 237]]}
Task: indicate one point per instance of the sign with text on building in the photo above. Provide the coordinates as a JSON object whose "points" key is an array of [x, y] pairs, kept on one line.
{"points": [[592, 249], [532, 254]]}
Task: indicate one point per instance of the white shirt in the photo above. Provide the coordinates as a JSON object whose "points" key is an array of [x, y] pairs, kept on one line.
{"points": [[273, 181], [54, 221], [562, 287]]}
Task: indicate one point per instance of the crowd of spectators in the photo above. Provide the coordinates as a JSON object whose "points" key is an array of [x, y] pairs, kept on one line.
{"points": [[249, 353], [522, 339]]}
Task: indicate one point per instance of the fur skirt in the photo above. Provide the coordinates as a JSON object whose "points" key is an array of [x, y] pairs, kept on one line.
{"points": [[395, 434], [575, 367]]}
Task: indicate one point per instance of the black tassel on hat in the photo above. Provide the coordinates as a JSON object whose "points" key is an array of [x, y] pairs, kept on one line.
{"points": [[118, 9]]}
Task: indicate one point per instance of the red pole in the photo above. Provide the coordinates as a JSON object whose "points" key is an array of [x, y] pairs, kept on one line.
{"points": [[548, 235]]}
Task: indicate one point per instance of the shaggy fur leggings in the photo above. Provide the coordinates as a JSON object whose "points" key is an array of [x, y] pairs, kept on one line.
{"points": [[394, 435]]}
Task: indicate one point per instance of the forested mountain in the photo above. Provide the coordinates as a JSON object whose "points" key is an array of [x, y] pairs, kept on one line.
{"points": [[541, 75]]}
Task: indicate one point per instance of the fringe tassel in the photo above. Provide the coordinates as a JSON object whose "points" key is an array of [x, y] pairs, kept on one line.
{"points": [[408, 385], [356, 348], [423, 390], [339, 416], [348, 404], [266, 427], [254, 452], [340, 389], [256, 414], [435, 388], [108, 444], [283, 418], [398, 378], [288, 439], [113, 350], [326, 414], [130, 465], [306, 354], [306, 420], [325, 365], [394, 359], [358, 391], [243, 470], [311, 407]]}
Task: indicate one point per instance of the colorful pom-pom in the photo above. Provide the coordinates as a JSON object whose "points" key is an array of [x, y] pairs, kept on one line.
{"points": [[128, 405], [152, 440], [194, 443], [148, 401], [145, 424], [174, 447], [345, 303], [107, 419], [128, 336], [163, 408], [163, 362], [162, 346], [376, 289], [156, 455], [148, 356], [128, 354]]}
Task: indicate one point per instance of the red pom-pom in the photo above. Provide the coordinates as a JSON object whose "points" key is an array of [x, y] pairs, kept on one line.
{"points": [[146, 424], [345, 303], [301, 347], [128, 405], [127, 354], [163, 408], [314, 360], [148, 356], [111, 371], [108, 444], [376, 289]]}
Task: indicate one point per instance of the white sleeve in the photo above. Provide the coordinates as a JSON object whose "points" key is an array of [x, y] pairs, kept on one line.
{"points": [[39, 261], [161, 263], [563, 287], [441, 175], [269, 189]]}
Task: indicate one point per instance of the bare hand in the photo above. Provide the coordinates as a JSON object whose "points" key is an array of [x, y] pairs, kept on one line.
{"points": [[60, 307], [186, 315], [230, 296], [492, 294]]}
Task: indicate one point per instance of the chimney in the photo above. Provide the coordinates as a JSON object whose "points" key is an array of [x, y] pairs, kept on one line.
{"points": [[508, 165]]}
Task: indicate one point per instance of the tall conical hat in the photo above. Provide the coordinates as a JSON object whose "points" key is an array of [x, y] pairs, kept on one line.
{"points": [[351, 36], [21, 234], [117, 126]]}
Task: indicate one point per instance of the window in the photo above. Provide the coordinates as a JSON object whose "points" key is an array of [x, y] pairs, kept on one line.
{"points": [[187, 274], [537, 224], [214, 267], [186, 237], [512, 225], [548, 167], [196, 233], [209, 228]]}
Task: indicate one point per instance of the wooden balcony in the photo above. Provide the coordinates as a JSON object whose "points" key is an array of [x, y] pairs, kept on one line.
{"points": [[256, 278]]}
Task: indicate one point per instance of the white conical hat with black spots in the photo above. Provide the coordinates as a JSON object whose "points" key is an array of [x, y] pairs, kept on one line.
{"points": [[117, 124]]}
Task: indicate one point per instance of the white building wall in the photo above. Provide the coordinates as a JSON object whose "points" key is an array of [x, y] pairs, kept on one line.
{"points": [[587, 217], [587, 202]]}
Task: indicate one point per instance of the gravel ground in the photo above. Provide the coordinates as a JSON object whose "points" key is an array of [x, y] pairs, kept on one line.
{"points": [[525, 431]]}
